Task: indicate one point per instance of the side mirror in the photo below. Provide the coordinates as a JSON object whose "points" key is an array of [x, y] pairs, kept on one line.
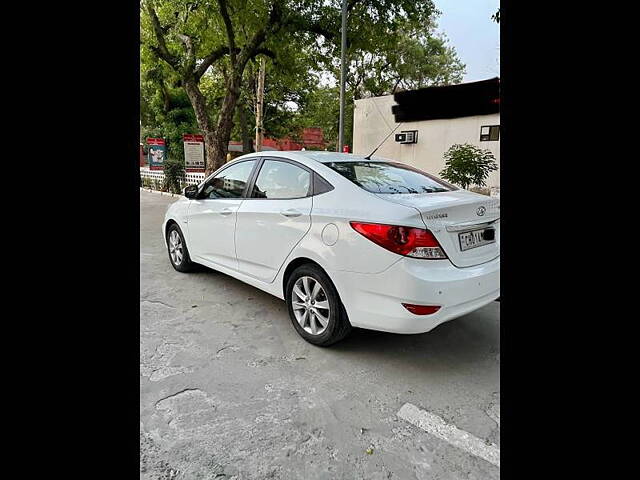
{"points": [[191, 191]]}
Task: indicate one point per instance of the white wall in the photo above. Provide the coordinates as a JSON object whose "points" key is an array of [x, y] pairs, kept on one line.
{"points": [[373, 121]]}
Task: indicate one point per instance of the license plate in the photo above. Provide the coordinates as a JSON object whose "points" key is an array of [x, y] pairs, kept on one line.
{"points": [[476, 238]]}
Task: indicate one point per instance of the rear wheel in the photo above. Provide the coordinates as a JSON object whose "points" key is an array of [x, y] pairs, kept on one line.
{"points": [[178, 253], [314, 306]]}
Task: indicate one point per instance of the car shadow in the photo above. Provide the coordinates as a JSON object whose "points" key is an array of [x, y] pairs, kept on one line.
{"points": [[466, 340]]}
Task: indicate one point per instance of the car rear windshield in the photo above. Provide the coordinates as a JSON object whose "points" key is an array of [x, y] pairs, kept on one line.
{"points": [[389, 177]]}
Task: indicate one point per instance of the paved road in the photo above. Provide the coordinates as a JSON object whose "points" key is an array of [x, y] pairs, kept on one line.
{"points": [[229, 390]]}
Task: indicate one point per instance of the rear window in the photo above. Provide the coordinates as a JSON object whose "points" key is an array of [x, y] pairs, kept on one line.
{"points": [[389, 177]]}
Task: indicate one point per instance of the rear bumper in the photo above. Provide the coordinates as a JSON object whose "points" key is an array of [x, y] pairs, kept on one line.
{"points": [[374, 301]]}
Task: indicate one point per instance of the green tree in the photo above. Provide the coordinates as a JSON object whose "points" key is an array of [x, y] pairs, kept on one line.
{"points": [[386, 54], [165, 110], [192, 36], [206, 48], [323, 110], [173, 175], [395, 51], [413, 61], [288, 86], [467, 165]]}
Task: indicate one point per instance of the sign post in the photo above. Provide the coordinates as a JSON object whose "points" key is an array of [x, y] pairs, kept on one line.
{"points": [[157, 153], [193, 153]]}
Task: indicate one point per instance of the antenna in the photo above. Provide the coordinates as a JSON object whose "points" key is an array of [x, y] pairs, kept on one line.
{"points": [[368, 157]]}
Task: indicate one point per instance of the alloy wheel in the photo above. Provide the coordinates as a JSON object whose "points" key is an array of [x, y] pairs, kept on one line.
{"points": [[175, 247], [310, 305]]}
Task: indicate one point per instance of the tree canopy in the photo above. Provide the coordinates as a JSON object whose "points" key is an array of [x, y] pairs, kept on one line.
{"points": [[204, 54]]}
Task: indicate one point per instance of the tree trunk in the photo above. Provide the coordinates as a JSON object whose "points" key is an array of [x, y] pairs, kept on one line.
{"points": [[204, 123], [220, 143], [166, 99], [247, 141], [216, 141]]}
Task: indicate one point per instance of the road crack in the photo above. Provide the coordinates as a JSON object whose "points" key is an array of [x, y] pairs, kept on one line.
{"points": [[176, 394], [157, 302]]}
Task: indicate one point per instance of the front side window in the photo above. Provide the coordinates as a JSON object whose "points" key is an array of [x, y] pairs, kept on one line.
{"points": [[281, 180], [229, 183], [389, 177]]}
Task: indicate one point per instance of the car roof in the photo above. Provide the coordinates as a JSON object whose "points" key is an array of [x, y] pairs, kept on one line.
{"points": [[318, 156]]}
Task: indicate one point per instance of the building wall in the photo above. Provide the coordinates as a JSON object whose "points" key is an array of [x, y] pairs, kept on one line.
{"points": [[373, 121], [312, 138]]}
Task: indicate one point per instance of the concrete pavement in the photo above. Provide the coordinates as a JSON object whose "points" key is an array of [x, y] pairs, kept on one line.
{"points": [[229, 390]]}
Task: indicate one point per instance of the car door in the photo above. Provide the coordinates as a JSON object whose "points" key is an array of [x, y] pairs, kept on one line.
{"points": [[274, 218], [212, 215]]}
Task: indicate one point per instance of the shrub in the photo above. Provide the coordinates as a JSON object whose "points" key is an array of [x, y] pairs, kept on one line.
{"points": [[173, 175], [467, 165]]}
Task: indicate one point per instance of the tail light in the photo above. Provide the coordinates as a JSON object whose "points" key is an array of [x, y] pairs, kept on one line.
{"points": [[407, 241]]}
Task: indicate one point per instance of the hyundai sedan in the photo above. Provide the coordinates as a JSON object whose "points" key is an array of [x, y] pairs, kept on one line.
{"points": [[347, 241]]}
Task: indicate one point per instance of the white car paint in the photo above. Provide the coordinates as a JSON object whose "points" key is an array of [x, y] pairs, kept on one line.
{"points": [[372, 282], [265, 235]]}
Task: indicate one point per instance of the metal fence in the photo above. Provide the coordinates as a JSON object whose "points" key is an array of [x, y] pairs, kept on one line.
{"points": [[155, 178]]}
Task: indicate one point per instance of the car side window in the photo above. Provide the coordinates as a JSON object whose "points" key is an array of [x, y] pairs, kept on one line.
{"points": [[281, 180], [229, 183]]}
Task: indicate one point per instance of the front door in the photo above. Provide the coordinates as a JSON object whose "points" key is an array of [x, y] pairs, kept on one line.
{"points": [[274, 218], [212, 216]]}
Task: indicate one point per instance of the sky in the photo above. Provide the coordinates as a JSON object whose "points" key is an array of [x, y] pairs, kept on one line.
{"points": [[475, 36]]}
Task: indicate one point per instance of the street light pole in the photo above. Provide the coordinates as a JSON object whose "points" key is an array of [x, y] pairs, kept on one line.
{"points": [[343, 74]]}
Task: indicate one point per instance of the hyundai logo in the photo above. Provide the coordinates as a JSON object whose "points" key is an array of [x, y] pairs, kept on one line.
{"points": [[480, 211]]}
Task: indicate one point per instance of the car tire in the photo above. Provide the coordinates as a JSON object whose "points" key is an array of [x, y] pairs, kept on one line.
{"points": [[177, 249], [326, 320]]}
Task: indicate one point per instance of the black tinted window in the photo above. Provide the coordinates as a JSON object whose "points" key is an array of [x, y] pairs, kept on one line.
{"points": [[280, 180], [229, 183], [387, 177]]}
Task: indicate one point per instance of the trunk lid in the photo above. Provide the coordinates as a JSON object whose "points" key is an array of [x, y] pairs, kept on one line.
{"points": [[449, 214]]}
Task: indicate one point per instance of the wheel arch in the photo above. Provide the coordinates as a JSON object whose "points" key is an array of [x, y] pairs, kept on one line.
{"points": [[344, 324], [295, 263], [168, 224]]}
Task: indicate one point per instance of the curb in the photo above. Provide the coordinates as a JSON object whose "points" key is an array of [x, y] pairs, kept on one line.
{"points": [[168, 194]]}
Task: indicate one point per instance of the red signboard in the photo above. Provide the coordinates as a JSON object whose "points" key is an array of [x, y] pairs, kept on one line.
{"points": [[193, 138], [345, 148]]}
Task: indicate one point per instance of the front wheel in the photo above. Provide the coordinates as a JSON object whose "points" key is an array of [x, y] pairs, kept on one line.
{"points": [[314, 306], [178, 253]]}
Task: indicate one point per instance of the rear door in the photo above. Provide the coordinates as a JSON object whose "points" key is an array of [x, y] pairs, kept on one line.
{"points": [[212, 216], [274, 218]]}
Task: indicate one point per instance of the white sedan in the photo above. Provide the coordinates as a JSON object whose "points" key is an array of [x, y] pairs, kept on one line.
{"points": [[345, 240]]}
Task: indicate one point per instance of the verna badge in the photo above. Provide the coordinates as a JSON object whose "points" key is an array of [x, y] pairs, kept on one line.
{"points": [[480, 211]]}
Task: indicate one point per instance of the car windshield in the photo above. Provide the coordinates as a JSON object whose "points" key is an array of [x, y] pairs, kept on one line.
{"points": [[389, 177]]}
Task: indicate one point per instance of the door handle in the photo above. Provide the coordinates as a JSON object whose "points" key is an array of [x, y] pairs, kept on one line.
{"points": [[226, 211], [291, 212]]}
